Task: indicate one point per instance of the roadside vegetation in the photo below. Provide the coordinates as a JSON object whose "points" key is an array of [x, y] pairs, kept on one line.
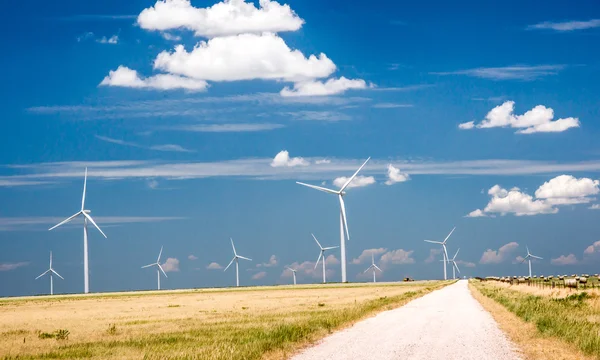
{"points": [[568, 315], [251, 324]]}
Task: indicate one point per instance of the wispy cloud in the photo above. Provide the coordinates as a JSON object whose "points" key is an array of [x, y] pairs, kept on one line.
{"points": [[98, 17], [404, 88], [566, 25], [43, 222], [12, 266], [318, 115], [391, 106], [515, 72], [165, 147], [214, 128]]}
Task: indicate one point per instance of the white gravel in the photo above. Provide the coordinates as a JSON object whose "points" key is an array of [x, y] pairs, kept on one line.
{"points": [[445, 324]]}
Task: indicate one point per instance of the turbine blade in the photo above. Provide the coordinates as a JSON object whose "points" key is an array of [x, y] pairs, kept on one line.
{"points": [[319, 259], [233, 246], [456, 254], [318, 243], [50, 259], [456, 266], [353, 176], [343, 208], [331, 247], [433, 242], [159, 254], [536, 257], [245, 258], [229, 264], [145, 266], [372, 259], [377, 267], [84, 186], [161, 269], [65, 221], [449, 235], [93, 223], [527, 247], [525, 258], [369, 268], [319, 188], [57, 274], [42, 274]]}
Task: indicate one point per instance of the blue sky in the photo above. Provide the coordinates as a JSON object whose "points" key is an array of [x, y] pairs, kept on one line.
{"points": [[181, 144]]}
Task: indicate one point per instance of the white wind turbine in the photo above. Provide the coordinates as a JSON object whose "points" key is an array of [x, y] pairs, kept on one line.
{"points": [[293, 273], [236, 257], [343, 221], [86, 218], [322, 255], [51, 271], [445, 252], [158, 267], [528, 257], [374, 267], [454, 265]]}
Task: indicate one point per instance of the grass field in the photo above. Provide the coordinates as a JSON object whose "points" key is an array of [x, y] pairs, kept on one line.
{"points": [[570, 315], [245, 323]]}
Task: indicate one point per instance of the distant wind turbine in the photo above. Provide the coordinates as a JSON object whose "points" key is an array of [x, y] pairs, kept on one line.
{"points": [[454, 265], [445, 252], [293, 273], [236, 257], [528, 258], [86, 218], [158, 267], [374, 267], [51, 271], [322, 255], [343, 221]]}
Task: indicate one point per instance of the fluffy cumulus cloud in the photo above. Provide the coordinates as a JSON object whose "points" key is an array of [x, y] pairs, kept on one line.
{"points": [[229, 17], [498, 256], [365, 256], [307, 269], [592, 249], [570, 259], [433, 253], [397, 257], [259, 275], [192, 257], [126, 77], [319, 88], [283, 159], [358, 181], [538, 119], [171, 265], [594, 207], [561, 190], [466, 263], [272, 262], [395, 176], [214, 266]]}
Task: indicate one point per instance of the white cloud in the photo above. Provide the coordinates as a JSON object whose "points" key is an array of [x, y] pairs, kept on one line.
{"points": [[538, 119], [214, 266], [358, 181], [307, 268], [396, 257], [433, 253], [170, 147], [12, 266], [467, 125], [516, 202], [566, 25], [594, 207], [564, 260], [43, 222], [566, 189], [319, 88], [476, 213], [391, 106], [111, 40], [85, 36], [244, 57], [125, 77], [272, 262], [283, 159], [365, 256], [218, 128], [259, 275], [171, 37], [466, 263], [515, 72], [496, 257], [229, 17], [323, 161], [171, 265], [592, 249], [192, 257], [318, 115], [152, 184], [165, 147], [395, 176]]}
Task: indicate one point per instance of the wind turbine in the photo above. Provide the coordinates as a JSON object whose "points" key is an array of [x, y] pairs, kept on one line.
{"points": [[443, 243], [159, 268], [528, 257], [322, 255], [454, 265], [343, 221], [374, 267], [236, 257], [86, 218], [51, 271], [293, 273]]}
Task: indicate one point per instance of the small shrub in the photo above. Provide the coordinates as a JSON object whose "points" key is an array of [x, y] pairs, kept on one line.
{"points": [[244, 308], [321, 304], [173, 305], [43, 335], [112, 329], [62, 334]]}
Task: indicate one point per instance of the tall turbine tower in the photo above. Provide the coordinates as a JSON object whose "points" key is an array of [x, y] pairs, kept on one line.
{"points": [[51, 271], [158, 267], [445, 252], [454, 265], [343, 221], [528, 258], [236, 257], [374, 267], [86, 218], [322, 256], [293, 273]]}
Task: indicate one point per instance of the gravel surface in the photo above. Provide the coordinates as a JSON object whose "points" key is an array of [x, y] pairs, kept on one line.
{"points": [[445, 324]]}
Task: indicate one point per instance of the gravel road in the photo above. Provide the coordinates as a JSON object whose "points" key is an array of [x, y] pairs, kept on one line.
{"points": [[445, 324]]}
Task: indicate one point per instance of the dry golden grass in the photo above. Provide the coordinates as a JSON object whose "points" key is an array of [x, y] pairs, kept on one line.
{"points": [[532, 344], [189, 324]]}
